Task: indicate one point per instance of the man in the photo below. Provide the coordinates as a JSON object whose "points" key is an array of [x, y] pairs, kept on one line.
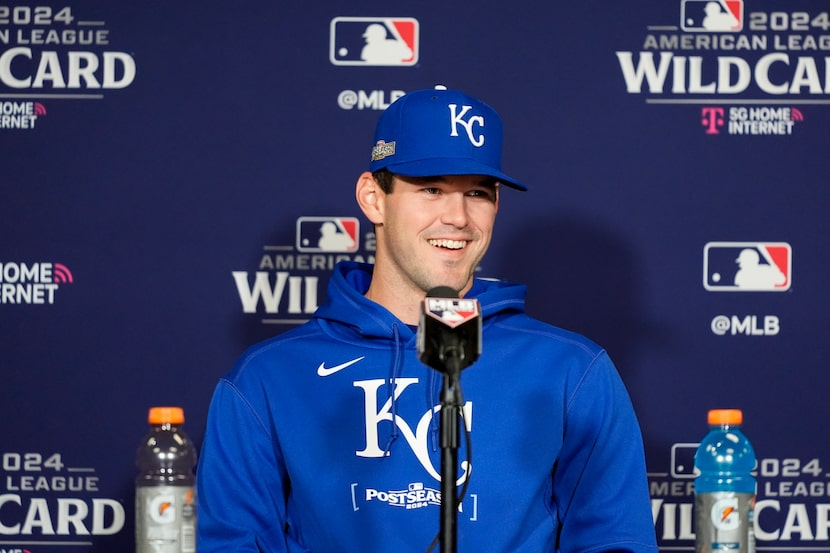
{"points": [[325, 438]]}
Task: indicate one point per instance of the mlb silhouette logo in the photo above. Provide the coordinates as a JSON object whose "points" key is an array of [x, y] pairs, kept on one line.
{"points": [[683, 460], [713, 16], [747, 266], [327, 234], [374, 41]]}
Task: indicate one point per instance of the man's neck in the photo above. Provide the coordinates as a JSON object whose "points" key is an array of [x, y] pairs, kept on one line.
{"points": [[405, 305]]}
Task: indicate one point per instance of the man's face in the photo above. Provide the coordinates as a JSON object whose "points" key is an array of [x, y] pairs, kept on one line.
{"points": [[435, 230]]}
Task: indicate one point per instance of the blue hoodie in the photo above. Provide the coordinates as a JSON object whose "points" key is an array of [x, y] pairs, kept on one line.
{"points": [[325, 439]]}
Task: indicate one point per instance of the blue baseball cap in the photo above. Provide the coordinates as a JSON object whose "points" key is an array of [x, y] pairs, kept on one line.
{"points": [[437, 132]]}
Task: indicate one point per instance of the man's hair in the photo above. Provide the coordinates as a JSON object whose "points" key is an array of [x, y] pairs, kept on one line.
{"points": [[384, 178]]}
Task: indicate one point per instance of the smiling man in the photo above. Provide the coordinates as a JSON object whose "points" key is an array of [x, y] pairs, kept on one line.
{"points": [[326, 438], [431, 231]]}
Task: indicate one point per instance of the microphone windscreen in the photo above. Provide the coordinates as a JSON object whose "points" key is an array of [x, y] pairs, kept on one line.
{"points": [[442, 292]]}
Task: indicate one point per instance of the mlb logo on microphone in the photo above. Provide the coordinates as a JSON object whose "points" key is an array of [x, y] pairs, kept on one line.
{"points": [[451, 311], [747, 266], [374, 41], [712, 16], [327, 234]]}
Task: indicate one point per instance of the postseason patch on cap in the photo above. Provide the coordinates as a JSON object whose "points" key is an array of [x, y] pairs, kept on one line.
{"points": [[382, 150]]}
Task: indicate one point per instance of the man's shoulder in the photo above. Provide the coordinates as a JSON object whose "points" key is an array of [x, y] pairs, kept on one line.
{"points": [[549, 333], [276, 351]]}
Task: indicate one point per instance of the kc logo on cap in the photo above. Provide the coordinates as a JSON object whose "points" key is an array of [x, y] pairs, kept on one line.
{"points": [[457, 119], [440, 132]]}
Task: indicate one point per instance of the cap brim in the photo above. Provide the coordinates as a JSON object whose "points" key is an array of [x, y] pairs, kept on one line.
{"points": [[452, 166]]}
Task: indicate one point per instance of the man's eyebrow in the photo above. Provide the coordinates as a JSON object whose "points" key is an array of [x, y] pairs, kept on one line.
{"points": [[425, 180], [489, 182]]}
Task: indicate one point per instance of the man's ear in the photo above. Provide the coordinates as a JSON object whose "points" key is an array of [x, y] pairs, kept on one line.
{"points": [[370, 197]]}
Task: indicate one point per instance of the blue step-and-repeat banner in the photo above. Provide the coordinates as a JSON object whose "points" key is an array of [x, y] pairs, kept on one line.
{"points": [[166, 169]]}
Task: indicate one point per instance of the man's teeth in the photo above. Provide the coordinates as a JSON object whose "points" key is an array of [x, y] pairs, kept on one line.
{"points": [[450, 244]]}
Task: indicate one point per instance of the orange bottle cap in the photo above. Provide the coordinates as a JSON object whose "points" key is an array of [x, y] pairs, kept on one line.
{"points": [[726, 416], [166, 415]]}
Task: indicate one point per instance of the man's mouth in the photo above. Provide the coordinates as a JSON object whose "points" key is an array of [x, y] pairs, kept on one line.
{"points": [[449, 244]]}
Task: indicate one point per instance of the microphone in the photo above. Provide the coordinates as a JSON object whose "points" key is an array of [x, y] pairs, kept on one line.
{"points": [[449, 334]]}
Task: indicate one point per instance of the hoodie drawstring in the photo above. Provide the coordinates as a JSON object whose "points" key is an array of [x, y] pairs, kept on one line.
{"points": [[432, 390], [394, 373]]}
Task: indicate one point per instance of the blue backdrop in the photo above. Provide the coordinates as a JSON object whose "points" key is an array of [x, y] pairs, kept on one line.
{"points": [[165, 167]]}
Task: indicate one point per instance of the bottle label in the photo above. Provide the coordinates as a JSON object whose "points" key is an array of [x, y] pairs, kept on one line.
{"points": [[165, 519], [724, 522]]}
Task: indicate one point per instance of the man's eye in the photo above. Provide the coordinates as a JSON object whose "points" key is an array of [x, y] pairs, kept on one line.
{"points": [[481, 194]]}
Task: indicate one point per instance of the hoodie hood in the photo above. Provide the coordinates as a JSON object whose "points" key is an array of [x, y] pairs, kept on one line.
{"points": [[347, 305]]}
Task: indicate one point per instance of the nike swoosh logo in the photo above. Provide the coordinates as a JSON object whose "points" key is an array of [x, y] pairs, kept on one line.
{"points": [[322, 370]]}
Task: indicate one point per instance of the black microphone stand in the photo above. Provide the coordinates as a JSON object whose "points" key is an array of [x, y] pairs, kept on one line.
{"points": [[453, 343], [450, 441]]}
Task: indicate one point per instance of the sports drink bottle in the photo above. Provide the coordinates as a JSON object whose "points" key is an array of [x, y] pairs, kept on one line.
{"points": [[165, 486], [724, 486]]}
